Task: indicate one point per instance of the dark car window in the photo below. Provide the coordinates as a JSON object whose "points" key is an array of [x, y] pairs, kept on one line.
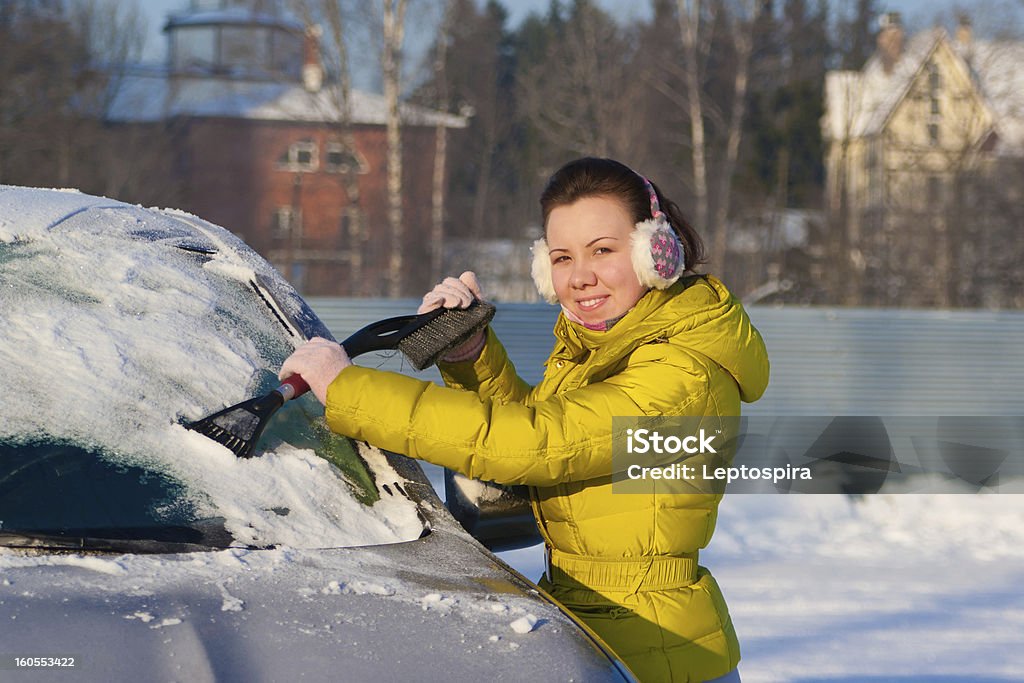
{"points": [[57, 488]]}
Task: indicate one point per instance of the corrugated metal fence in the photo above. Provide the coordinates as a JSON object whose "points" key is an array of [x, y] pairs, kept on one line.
{"points": [[825, 361]]}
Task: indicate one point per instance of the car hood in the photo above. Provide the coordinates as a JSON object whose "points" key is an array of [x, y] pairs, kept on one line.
{"points": [[439, 608]]}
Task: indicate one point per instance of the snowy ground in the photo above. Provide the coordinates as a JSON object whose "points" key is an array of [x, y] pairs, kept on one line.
{"points": [[887, 588], [905, 588]]}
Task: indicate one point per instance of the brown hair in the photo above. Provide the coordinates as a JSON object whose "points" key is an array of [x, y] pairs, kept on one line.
{"points": [[597, 177]]}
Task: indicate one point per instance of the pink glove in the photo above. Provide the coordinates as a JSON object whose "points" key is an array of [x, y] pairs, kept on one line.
{"points": [[457, 293], [318, 361], [452, 293]]}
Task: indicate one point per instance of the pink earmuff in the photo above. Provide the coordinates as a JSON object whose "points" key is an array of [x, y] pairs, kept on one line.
{"points": [[540, 269]]}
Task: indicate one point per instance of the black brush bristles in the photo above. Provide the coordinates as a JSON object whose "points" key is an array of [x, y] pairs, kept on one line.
{"points": [[239, 427], [452, 328]]}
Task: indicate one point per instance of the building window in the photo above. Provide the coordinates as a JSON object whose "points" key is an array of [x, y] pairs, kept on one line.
{"points": [[872, 169], [194, 47], [285, 222], [243, 48], [340, 159], [934, 79], [934, 192], [300, 156], [285, 53], [349, 222], [934, 83]]}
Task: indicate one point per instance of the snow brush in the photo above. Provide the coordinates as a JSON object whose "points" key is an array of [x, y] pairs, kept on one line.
{"points": [[423, 339]]}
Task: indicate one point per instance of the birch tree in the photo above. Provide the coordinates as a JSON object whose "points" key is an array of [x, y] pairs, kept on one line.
{"points": [[741, 27], [695, 52], [695, 22], [439, 189], [391, 64], [475, 76], [332, 46], [847, 262]]}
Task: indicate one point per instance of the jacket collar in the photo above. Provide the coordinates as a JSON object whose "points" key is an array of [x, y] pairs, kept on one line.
{"points": [[643, 323], [697, 312]]}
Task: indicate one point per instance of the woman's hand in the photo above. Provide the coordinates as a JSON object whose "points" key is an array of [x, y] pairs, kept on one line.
{"points": [[452, 293], [457, 293], [318, 361]]}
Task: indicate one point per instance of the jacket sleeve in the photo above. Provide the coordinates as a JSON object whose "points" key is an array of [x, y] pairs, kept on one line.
{"points": [[492, 375], [567, 437]]}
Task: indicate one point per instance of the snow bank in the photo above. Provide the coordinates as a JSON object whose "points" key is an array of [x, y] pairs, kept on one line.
{"points": [[926, 527]]}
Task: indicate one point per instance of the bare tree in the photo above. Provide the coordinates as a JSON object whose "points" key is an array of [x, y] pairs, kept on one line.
{"points": [[741, 28], [843, 232], [695, 26], [585, 105], [695, 55], [391, 64], [475, 76], [332, 51], [440, 179], [857, 29], [61, 65]]}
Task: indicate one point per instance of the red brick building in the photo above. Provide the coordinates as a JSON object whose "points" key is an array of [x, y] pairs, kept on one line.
{"points": [[261, 150]]}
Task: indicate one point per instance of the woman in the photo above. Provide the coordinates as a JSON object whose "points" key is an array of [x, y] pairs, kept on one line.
{"points": [[639, 334]]}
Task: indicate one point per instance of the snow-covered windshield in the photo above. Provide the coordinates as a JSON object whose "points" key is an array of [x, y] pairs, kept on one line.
{"points": [[121, 323]]}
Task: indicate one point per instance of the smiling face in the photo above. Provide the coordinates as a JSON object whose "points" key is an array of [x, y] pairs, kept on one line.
{"points": [[589, 247]]}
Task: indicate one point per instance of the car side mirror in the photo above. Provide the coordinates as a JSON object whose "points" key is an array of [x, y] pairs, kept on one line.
{"points": [[498, 516]]}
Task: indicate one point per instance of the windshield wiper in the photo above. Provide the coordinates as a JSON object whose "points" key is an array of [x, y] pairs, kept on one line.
{"points": [[140, 541]]}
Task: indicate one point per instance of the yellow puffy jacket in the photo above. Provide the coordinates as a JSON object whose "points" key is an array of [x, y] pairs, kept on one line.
{"points": [[625, 564]]}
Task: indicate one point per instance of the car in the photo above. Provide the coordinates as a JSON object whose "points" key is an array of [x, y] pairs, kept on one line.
{"points": [[132, 547]]}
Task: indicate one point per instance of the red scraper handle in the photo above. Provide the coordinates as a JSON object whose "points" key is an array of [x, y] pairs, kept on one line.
{"points": [[292, 387]]}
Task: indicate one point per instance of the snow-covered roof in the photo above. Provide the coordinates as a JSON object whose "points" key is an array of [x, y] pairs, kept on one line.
{"points": [[859, 103], [231, 16], [996, 66], [150, 97]]}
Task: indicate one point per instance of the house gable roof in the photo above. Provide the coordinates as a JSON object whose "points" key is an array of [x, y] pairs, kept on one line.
{"points": [[898, 84], [996, 67], [149, 97], [861, 103]]}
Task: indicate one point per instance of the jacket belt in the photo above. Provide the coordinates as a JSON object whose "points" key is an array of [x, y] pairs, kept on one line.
{"points": [[622, 575]]}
